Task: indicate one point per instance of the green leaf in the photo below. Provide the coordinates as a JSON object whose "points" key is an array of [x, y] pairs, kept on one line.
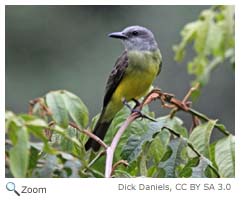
{"points": [[199, 170], [57, 106], [33, 159], [9, 116], [122, 174], [19, 153], [69, 144], [223, 128], [132, 149], [175, 124], [49, 168], [142, 162], [12, 125], [37, 127], [76, 108], [211, 173], [37, 123], [62, 104], [212, 35], [215, 39], [11, 131], [158, 146], [187, 169], [201, 40], [66, 144], [200, 138], [175, 158], [71, 166], [69, 134], [138, 127], [57, 166], [212, 153], [225, 156], [188, 33]]}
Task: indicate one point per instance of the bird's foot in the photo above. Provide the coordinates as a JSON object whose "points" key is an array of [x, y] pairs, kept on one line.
{"points": [[137, 103], [141, 115], [136, 109], [125, 102], [136, 106]]}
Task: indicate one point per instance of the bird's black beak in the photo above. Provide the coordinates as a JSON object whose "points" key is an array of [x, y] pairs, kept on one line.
{"points": [[118, 35]]}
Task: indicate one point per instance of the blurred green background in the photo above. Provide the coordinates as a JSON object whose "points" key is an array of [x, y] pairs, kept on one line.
{"points": [[66, 47]]}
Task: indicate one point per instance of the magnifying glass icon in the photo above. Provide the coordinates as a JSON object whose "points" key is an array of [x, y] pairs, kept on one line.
{"points": [[10, 186]]}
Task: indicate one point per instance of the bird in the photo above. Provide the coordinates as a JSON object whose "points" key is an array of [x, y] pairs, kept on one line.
{"points": [[131, 77]]}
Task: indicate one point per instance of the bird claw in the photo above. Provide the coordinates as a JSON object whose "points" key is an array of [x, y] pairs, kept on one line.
{"points": [[125, 102], [135, 109], [143, 116]]}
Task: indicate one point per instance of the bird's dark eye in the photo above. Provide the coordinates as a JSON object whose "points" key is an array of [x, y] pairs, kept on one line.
{"points": [[135, 33]]}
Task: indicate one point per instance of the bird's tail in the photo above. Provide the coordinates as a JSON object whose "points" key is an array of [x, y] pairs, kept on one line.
{"points": [[100, 130]]}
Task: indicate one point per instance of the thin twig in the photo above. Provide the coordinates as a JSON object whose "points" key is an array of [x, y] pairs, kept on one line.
{"points": [[44, 108], [48, 131], [99, 155], [195, 122], [89, 134], [96, 138], [205, 118], [123, 162], [185, 107], [184, 102], [95, 172], [151, 96], [198, 114], [189, 93]]}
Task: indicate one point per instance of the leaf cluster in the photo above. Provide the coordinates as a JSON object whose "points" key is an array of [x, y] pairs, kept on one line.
{"points": [[45, 145], [213, 39]]}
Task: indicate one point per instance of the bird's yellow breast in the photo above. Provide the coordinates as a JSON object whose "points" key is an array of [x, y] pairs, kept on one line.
{"points": [[139, 75], [135, 84]]}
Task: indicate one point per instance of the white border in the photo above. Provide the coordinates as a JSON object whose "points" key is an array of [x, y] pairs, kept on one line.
{"points": [[107, 188]]}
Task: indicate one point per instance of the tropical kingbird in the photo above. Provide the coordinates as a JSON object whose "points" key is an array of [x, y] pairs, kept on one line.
{"points": [[131, 77]]}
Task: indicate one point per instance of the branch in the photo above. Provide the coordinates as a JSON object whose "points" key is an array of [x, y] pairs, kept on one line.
{"points": [[95, 137], [43, 107], [89, 134], [99, 155], [205, 118], [123, 162], [111, 149], [168, 100]]}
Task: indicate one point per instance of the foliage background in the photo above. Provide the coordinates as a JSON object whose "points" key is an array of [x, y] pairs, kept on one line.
{"points": [[66, 47]]}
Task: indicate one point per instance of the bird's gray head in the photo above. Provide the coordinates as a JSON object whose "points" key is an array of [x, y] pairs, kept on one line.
{"points": [[136, 38]]}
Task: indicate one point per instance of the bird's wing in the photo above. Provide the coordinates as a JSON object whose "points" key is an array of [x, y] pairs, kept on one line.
{"points": [[160, 67], [115, 77]]}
